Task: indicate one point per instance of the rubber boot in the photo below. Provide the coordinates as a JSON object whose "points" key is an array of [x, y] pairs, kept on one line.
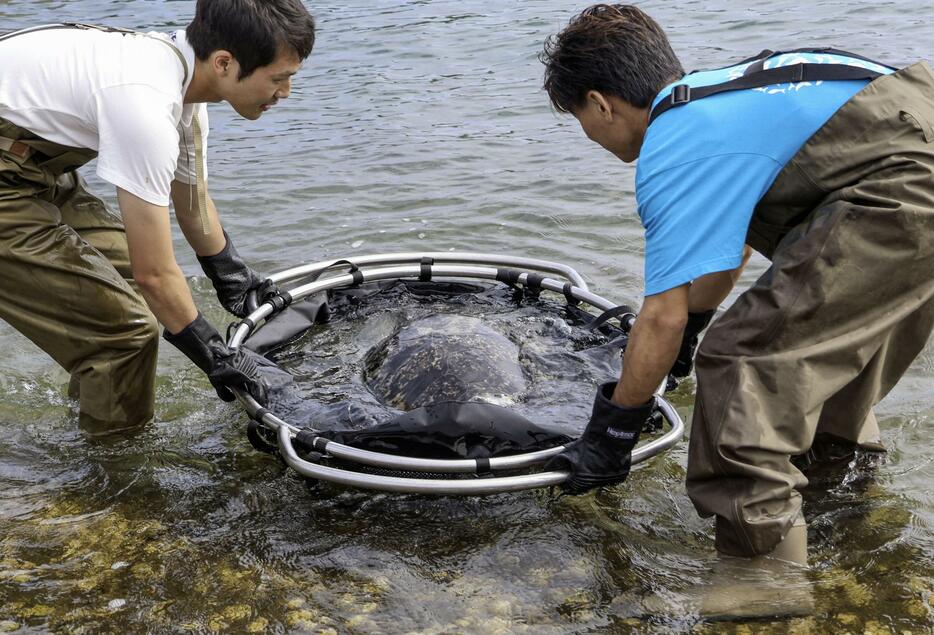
{"points": [[794, 547], [774, 585]]}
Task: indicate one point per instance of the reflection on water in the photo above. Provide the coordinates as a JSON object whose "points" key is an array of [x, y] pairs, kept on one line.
{"points": [[422, 126]]}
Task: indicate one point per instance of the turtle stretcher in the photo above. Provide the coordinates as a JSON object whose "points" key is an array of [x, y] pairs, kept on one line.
{"points": [[316, 454]]}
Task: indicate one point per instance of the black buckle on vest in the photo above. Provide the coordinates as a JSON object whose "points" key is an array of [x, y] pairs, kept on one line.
{"points": [[680, 94]]}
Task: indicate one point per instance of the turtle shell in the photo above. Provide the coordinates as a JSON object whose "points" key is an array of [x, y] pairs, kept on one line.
{"points": [[445, 358]]}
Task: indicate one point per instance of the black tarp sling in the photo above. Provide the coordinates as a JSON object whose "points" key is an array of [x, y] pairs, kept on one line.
{"points": [[451, 430], [441, 430]]}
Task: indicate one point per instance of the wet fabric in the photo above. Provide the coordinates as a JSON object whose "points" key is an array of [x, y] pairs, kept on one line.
{"points": [[284, 327], [828, 330], [560, 359], [705, 165], [290, 324], [67, 283], [453, 430]]}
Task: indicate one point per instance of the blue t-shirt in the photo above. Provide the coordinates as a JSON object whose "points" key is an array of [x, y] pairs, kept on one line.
{"points": [[704, 166]]}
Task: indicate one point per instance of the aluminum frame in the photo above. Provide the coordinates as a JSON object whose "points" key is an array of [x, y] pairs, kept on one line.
{"points": [[408, 266]]}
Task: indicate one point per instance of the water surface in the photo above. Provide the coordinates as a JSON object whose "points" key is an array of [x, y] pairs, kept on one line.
{"points": [[422, 126]]}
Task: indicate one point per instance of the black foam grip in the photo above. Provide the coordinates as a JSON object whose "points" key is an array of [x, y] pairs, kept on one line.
{"points": [[425, 274], [533, 281], [233, 326], [305, 439], [280, 301], [507, 276]]}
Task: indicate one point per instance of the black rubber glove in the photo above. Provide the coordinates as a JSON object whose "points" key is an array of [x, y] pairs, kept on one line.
{"points": [[697, 322], [603, 454], [225, 367], [233, 279]]}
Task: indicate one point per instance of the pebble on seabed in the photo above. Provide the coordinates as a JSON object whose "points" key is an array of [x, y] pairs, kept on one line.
{"points": [[500, 608], [846, 583]]}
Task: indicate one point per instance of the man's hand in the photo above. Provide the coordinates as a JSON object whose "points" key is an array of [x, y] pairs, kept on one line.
{"points": [[233, 279], [603, 454], [684, 363], [226, 368]]}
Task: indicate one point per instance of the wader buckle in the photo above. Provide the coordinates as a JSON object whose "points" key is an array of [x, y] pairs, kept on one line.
{"points": [[680, 94]]}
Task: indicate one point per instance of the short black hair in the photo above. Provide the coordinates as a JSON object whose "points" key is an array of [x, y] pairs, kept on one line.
{"points": [[254, 31], [615, 49]]}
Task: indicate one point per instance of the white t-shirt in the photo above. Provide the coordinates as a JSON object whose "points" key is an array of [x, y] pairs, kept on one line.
{"points": [[118, 94]]}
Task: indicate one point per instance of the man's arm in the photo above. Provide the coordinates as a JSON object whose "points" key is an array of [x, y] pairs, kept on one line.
{"points": [[152, 260], [166, 292], [657, 334], [653, 346], [707, 292], [188, 213], [602, 454], [232, 277]]}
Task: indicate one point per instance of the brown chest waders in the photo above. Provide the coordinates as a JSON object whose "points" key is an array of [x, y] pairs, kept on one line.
{"points": [[833, 324], [66, 281]]}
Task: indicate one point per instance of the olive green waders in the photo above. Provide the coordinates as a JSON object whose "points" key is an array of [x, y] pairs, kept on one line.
{"points": [[828, 330], [66, 284]]}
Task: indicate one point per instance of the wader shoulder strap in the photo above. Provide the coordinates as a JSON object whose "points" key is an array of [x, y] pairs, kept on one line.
{"points": [[199, 149], [105, 29], [756, 76]]}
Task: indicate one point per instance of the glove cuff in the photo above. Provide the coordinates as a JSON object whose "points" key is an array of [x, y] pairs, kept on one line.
{"points": [[615, 421], [199, 341], [220, 263]]}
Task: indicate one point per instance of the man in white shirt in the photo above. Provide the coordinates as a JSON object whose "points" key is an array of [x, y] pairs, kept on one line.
{"points": [[84, 284]]}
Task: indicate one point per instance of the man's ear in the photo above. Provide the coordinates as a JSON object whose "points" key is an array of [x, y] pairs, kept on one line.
{"points": [[597, 100], [222, 62]]}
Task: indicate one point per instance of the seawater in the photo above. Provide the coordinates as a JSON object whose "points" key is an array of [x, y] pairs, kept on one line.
{"points": [[422, 125]]}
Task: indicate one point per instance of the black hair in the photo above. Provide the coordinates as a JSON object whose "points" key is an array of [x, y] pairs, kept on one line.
{"points": [[254, 31], [615, 49]]}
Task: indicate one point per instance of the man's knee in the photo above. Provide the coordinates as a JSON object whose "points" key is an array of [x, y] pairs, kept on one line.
{"points": [[144, 334], [116, 386], [124, 359], [125, 322]]}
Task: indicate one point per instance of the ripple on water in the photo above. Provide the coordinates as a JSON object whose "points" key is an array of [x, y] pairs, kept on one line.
{"points": [[412, 111]]}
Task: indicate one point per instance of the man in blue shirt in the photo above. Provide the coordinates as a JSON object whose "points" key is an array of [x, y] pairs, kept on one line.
{"points": [[821, 160]]}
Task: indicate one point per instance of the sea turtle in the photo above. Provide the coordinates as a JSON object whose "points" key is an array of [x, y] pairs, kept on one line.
{"points": [[444, 358]]}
